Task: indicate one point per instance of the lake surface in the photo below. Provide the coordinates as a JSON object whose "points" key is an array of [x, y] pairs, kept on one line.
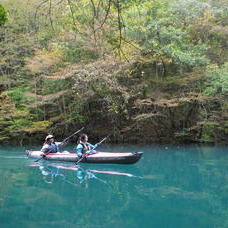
{"points": [[171, 186]]}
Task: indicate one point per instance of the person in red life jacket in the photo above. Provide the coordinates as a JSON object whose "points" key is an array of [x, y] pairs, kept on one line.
{"points": [[84, 147], [50, 146]]}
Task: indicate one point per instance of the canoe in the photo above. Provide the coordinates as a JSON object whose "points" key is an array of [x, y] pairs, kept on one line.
{"points": [[98, 157]]}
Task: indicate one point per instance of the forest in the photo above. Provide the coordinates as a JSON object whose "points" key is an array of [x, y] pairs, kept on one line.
{"points": [[147, 71]]}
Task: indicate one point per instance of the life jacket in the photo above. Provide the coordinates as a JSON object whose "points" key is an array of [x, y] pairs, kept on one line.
{"points": [[85, 146], [50, 148], [54, 148]]}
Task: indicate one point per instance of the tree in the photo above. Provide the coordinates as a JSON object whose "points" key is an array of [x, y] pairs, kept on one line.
{"points": [[164, 34]]}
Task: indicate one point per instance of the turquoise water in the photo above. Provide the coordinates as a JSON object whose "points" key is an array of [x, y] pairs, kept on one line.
{"points": [[182, 186]]}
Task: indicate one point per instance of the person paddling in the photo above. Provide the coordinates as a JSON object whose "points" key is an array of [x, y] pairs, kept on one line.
{"points": [[84, 147], [50, 146]]}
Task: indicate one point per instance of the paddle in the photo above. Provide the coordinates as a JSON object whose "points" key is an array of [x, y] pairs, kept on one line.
{"points": [[96, 145], [66, 139]]}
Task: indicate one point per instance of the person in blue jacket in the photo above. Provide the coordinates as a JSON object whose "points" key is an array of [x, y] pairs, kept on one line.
{"points": [[84, 147]]}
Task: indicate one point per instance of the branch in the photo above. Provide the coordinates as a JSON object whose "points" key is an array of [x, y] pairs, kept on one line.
{"points": [[98, 8], [94, 9], [93, 20], [37, 8], [128, 42], [72, 14], [50, 12], [106, 15], [60, 2], [124, 55], [119, 22]]}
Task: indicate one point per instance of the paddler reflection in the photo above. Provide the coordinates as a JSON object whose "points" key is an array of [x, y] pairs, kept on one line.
{"points": [[49, 173], [84, 175], [52, 171]]}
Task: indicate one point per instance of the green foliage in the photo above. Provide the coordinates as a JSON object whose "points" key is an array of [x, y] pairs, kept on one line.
{"points": [[18, 96], [37, 126], [25, 125], [16, 125], [75, 113], [75, 53], [3, 15], [50, 86], [164, 35], [208, 132], [45, 48], [217, 80]]}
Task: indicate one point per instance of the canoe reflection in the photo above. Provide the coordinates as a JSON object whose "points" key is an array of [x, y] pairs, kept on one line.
{"points": [[50, 171]]}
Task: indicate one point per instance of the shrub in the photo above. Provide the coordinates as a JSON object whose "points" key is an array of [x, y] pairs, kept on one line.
{"points": [[3, 15], [217, 80]]}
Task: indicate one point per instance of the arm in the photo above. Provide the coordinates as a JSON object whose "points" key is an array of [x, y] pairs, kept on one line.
{"points": [[61, 144], [92, 148], [79, 150], [45, 149]]}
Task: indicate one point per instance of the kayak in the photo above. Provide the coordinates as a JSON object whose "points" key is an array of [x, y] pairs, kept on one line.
{"points": [[98, 157]]}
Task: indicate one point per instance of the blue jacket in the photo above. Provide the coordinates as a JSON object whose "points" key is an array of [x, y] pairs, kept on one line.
{"points": [[81, 148]]}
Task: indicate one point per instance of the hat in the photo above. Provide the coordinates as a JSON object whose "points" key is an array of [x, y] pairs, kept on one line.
{"points": [[49, 137]]}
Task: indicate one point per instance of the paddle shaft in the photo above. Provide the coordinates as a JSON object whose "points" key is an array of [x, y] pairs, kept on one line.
{"points": [[66, 139], [102, 140]]}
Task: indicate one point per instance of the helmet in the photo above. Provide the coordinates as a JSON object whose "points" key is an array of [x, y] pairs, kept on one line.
{"points": [[49, 137]]}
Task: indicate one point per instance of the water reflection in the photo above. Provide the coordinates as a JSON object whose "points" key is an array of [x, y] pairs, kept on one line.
{"points": [[179, 187], [53, 171]]}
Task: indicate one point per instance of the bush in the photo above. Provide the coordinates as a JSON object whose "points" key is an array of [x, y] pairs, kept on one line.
{"points": [[217, 80], [18, 96], [3, 15], [75, 53]]}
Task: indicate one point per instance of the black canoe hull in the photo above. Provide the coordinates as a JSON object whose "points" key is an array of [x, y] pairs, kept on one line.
{"points": [[116, 160], [99, 157]]}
